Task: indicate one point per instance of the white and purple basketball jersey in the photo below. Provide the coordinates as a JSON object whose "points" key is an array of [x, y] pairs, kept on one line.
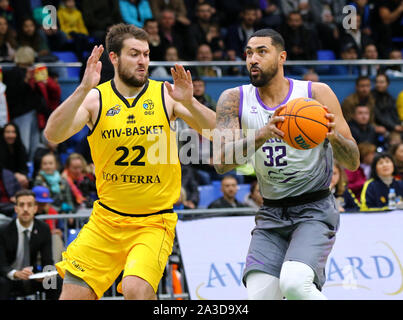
{"points": [[283, 171]]}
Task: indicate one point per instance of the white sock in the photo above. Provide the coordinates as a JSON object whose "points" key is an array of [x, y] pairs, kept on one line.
{"points": [[296, 282], [263, 286]]}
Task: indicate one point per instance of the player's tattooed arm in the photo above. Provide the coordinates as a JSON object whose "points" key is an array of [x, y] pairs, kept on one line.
{"points": [[230, 147], [345, 149]]}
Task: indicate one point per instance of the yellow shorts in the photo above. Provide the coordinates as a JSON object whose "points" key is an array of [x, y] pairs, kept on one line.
{"points": [[110, 243]]}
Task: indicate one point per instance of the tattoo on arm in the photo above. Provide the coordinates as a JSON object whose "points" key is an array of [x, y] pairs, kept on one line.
{"points": [[345, 152], [231, 149]]}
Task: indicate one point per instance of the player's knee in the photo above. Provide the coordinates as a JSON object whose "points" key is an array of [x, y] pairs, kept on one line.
{"points": [[296, 280], [262, 286], [135, 288]]}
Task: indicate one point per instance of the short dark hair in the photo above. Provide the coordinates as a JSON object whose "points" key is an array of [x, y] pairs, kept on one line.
{"points": [[119, 33], [22, 193], [360, 78], [276, 38], [378, 157], [383, 74]]}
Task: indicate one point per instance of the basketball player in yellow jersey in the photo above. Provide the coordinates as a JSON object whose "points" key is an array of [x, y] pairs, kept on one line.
{"points": [[132, 225]]}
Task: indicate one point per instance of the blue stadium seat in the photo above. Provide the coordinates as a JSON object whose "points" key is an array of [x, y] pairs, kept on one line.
{"points": [[325, 55], [207, 195], [244, 189], [72, 235], [68, 56]]}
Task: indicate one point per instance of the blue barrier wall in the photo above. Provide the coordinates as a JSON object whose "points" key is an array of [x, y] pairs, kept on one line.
{"points": [[341, 85]]}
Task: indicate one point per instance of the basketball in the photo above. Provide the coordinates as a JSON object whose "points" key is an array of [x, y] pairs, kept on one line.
{"points": [[305, 124]]}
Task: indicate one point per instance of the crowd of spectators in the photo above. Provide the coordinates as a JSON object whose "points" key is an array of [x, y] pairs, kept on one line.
{"points": [[62, 176]]}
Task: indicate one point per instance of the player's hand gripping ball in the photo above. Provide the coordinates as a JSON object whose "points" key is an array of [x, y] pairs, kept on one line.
{"points": [[305, 125]]}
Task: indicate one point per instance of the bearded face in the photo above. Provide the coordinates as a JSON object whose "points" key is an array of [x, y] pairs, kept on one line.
{"points": [[259, 77], [133, 79]]}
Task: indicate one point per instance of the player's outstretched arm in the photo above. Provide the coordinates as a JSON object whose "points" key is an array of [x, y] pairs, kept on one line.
{"points": [[233, 149], [78, 109], [345, 149], [186, 107]]}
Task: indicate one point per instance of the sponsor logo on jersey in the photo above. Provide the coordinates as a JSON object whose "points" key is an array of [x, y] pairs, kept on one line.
{"points": [[148, 105], [130, 119], [114, 110]]}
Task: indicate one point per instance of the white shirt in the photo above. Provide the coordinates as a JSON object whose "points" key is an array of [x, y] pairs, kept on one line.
{"points": [[20, 248]]}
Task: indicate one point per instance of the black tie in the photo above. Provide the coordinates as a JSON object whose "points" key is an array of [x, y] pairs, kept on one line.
{"points": [[26, 260]]}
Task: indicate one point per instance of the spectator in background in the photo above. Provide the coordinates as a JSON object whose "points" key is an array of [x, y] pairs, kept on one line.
{"points": [[204, 54], [385, 105], [239, 33], [348, 51], [22, 9], [25, 98], [345, 198], [4, 112], [216, 42], [8, 42], [300, 44], [364, 10], [370, 53], [360, 126], [171, 54], [154, 40], [328, 31], [43, 148], [135, 12], [394, 70], [13, 155], [170, 34], [99, 15], [30, 35], [199, 29], [399, 105], [44, 203], [228, 11], [361, 96], [229, 188], [271, 13], [50, 90], [301, 6], [390, 23], [199, 92], [254, 198], [72, 24], [311, 75], [49, 177], [22, 241], [9, 186], [397, 153], [356, 36], [7, 12], [190, 185], [177, 6], [356, 179], [374, 196], [81, 180]]}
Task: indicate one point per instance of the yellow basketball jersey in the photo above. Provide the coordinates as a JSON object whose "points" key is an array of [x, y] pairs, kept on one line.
{"points": [[134, 151]]}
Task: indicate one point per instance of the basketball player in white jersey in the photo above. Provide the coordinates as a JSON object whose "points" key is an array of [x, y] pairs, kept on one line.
{"points": [[295, 229]]}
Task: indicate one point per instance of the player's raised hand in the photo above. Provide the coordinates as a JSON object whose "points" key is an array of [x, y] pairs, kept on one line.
{"points": [[182, 90], [92, 73]]}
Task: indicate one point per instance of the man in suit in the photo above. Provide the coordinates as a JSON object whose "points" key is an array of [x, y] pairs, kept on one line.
{"points": [[21, 241]]}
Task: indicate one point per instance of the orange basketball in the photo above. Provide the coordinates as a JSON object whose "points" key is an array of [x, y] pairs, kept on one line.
{"points": [[305, 124]]}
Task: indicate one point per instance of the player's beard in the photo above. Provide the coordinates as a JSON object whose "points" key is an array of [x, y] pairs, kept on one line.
{"points": [[130, 79], [264, 77]]}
